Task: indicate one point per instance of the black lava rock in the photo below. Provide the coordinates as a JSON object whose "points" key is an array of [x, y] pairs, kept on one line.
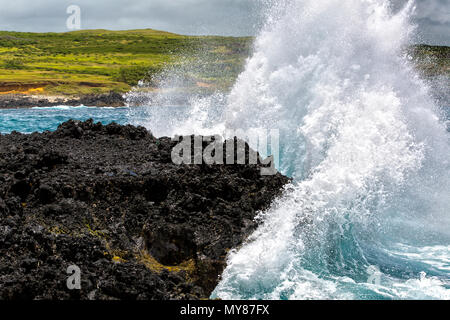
{"points": [[109, 200]]}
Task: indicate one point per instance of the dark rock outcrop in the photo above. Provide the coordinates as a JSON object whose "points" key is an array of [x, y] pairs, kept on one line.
{"points": [[109, 200], [111, 99]]}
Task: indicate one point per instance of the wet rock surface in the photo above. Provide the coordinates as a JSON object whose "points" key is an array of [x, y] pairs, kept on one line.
{"points": [[109, 200]]}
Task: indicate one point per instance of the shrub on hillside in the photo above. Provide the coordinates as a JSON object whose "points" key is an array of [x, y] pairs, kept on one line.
{"points": [[13, 64], [132, 75]]}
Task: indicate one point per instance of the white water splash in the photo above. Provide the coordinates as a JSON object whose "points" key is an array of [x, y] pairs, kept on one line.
{"points": [[333, 72], [331, 75]]}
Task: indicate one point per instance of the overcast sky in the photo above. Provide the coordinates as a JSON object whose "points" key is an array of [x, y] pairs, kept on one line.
{"points": [[221, 17]]}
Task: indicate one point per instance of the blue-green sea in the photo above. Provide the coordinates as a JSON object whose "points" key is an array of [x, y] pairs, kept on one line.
{"points": [[40, 119]]}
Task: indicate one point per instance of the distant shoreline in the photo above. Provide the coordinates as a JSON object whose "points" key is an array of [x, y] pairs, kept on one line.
{"points": [[93, 62], [97, 67], [21, 101]]}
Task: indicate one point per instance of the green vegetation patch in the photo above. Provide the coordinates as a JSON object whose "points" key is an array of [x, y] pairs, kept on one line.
{"points": [[100, 61], [114, 60]]}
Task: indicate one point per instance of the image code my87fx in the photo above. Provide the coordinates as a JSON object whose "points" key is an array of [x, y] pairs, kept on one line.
{"points": [[252, 309]]}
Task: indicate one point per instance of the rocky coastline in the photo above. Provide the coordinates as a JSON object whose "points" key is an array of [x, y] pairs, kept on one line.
{"points": [[110, 201], [13, 101]]}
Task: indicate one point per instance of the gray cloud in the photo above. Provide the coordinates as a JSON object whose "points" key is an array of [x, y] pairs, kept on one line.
{"points": [[223, 17], [437, 11], [433, 19]]}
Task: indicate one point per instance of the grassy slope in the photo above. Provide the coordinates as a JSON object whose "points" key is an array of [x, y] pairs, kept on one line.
{"points": [[432, 60], [98, 61]]}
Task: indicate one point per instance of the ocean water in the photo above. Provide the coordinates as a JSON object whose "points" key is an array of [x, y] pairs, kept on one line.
{"points": [[367, 215], [40, 119]]}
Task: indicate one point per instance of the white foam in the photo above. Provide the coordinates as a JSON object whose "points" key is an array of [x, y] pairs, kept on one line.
{"points": [[332, 72], [361, 138]]}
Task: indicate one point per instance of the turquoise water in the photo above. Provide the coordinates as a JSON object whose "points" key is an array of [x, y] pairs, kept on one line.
{"points": [[367, 213], [41, 119], [352, 252]]}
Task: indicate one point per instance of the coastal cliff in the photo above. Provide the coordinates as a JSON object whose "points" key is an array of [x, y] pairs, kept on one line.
{"points": [[110, 201]]}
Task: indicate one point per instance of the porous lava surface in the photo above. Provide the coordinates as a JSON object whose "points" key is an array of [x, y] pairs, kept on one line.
{"points": [[109, 200]]}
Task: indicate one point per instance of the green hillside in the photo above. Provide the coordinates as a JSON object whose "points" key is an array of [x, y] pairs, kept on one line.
{"points": [[97, 61], [432, 60]]}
